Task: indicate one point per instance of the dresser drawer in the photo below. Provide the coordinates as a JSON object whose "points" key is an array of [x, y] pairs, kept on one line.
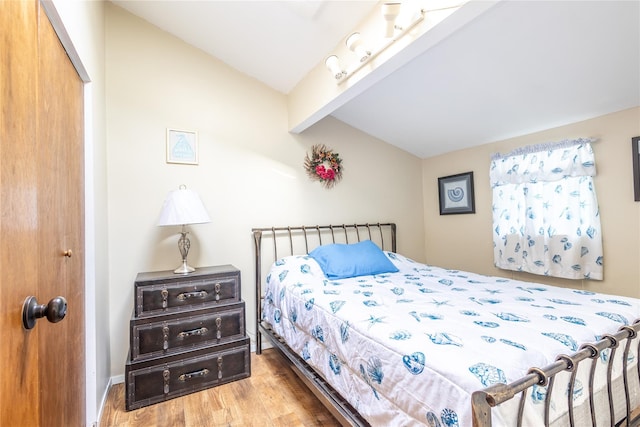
{"points": [[165, 292], [165, 334], [161, 379]]}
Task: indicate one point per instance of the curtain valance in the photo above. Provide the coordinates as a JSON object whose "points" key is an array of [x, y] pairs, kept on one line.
{"points": [[544, 162]]}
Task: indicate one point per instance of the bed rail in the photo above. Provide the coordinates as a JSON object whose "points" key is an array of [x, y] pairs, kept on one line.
{"points": [[384, 234], [484, 400]]}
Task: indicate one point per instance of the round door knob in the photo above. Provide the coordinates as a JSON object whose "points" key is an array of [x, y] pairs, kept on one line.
{"points": [[54, 311]]}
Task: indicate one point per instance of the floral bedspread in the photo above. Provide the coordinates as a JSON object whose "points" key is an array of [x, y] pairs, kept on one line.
{"points": [[409, 348]]}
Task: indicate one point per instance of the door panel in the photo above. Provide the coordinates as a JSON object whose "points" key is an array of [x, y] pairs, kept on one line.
{"points": [[18, 211], [42, 370], [60, 188]]}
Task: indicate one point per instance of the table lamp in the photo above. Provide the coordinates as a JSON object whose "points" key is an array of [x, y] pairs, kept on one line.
{"points": [[183, 207]]}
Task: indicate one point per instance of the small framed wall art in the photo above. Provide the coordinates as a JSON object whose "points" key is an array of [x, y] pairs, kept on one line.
{"points": [[182, 147], [456, 194]]}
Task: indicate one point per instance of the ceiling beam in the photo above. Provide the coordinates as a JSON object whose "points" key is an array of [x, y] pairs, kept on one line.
{"points": [[318, 94]]}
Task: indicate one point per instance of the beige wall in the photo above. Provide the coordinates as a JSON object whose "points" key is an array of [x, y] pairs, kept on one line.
{"points": [[250, 172], [465, 241]]}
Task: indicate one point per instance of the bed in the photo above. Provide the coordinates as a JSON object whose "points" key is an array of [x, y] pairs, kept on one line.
{"points": [[414, 344]]}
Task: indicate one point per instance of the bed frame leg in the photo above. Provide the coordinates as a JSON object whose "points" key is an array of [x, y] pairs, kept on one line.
{"points": [[258, 342], [480, 409], [257, 241]]}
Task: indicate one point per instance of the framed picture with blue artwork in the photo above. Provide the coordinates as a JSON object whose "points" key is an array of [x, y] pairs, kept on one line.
{"points": [[182, 147], [456, 194]]}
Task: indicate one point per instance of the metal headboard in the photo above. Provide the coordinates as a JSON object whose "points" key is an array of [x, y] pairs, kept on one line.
{"points": [[383, 234]]}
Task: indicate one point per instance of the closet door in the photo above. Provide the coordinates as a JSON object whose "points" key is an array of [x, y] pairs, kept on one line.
{"points": [[42, 370]]}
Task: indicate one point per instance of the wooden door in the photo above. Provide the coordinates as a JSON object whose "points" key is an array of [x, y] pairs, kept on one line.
{"points": [[42, 370]]}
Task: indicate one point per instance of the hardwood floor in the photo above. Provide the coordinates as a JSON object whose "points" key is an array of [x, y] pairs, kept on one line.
{"points": [[272, 396]]}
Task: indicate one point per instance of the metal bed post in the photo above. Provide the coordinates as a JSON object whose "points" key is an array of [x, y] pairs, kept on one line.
{"points": [[257, 239], [275, 246], [614, 347], [306, 242]]}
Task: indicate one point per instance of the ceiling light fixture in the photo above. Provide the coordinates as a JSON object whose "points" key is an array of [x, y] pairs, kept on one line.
{"points": [[390, 12], [354, 43], [333, 65]]}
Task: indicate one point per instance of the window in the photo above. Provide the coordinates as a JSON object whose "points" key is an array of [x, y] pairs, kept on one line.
{"points": [[545, 211]]}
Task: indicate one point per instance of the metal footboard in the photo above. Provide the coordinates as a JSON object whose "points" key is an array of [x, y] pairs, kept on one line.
{"points": [[625, 338]]}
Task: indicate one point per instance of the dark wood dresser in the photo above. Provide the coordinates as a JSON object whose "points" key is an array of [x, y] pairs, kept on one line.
{"points": [[187, 333]]}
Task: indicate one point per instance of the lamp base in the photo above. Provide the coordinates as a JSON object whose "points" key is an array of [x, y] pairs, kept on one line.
{"points": [[184, 244], [184, 268]]}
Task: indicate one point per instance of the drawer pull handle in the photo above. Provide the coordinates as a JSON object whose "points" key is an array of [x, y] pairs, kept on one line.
{"points": [[219, 367], [165, 295], [188, 295], [193, 332], [217, 289], [218, 327], [196, 374], [165, 337], [165, 376]]}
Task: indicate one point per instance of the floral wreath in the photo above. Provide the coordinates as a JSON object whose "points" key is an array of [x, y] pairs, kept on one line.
{"points": [[324, 165]]}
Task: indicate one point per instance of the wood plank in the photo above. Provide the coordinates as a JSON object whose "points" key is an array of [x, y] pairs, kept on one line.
{"points": [[19, 367], [59, 160], [273, 396]]}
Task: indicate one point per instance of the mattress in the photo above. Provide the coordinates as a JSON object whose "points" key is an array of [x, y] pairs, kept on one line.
{"points": [[409, 348]]}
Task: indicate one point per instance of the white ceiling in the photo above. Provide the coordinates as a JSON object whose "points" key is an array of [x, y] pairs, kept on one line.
{"points": [[277, 42], [520, 67]]}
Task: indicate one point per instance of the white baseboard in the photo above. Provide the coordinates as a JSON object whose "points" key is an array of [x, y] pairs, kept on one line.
{"points": [[103, 402], [117, 379], [113, 380]]}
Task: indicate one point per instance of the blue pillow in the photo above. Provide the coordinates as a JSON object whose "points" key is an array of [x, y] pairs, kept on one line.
{"points": [[341, 261]]}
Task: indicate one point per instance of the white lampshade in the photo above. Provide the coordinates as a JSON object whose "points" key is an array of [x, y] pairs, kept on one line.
{"points": [[181, 207]]}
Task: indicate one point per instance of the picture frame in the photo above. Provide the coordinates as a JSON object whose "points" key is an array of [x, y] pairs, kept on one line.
{"points": [[635, 156], [182, 146], [456, 194]]}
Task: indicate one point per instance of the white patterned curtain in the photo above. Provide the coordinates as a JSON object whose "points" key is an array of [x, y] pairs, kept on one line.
{"points": [[545, 211]]}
